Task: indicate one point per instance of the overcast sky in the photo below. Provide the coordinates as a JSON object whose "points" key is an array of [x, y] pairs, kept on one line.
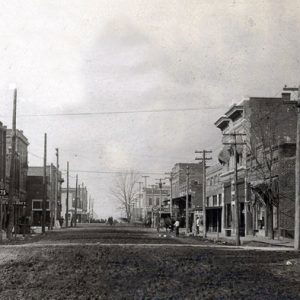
{"points": [[92, 56]]}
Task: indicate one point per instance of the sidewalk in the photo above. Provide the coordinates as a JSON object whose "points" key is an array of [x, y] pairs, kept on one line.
{"points": [[251, 240]]}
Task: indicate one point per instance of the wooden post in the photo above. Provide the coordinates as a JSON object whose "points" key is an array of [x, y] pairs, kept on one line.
{"points": [[56, 186], [67, 199], [44, 185], [297, 183], [12, 171], [187, 200], [75, 220]]}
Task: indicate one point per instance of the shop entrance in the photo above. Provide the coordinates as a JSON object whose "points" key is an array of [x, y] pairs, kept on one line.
{"points": [[214, 219]]}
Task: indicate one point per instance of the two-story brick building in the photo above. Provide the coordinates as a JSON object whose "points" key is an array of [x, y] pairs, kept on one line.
{"points": [[265, 151], [179, 190], [35, 194]]}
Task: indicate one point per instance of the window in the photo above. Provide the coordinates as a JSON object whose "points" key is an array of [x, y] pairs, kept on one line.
{"points": [[38, 204], [157, 201], [207, 201], [215, 200], [150, 201]]}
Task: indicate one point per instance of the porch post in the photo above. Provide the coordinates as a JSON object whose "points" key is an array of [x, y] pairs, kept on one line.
{"points": [[246, 206]]}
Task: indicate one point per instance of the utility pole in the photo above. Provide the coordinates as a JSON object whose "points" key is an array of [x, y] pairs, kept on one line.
{"points": [[187, 200], [75, 219], [52, 195], [140, 199], [44, 185], [236, 198], [90, 208], [67, 199], [204, 159], [160, 184], [79, 197], [171, 192], [12, 170], [56, 186], [297, 177]]}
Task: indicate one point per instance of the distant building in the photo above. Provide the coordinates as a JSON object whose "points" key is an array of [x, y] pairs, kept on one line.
{"points": [[35, 192], [179, 190], [82, 204], [155, 203]]}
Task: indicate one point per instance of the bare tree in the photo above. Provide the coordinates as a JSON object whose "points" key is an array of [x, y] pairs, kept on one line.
{"points": [[124, 190]]}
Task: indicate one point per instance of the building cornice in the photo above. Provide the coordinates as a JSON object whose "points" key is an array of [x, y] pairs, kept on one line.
{"points": [[222, 122], [234, 111]]}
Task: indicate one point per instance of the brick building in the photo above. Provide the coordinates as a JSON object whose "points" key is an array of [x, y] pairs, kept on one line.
{"points": [[35, 192], [179, 190], [214, 199], [269, 128], [21, 162], [20, 173]]}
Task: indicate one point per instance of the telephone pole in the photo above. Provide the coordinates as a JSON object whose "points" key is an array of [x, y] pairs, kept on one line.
{"points": [[90, 208], [171, 192], [44, 185], [56, 186], [204, 159], [187, 200], [75, 219], [297, 175], [12, 170], [140, 199], [236, 195], [67, 199], [160, 184]]}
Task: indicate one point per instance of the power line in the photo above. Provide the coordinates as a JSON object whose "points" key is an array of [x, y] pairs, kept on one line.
{"points": [[113, 172], [123, 112]]}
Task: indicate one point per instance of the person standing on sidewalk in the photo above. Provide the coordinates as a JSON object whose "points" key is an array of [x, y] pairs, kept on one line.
{"points": [[177, 227], [198, 226]]}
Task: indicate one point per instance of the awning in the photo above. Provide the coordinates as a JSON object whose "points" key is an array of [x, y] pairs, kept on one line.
{"points": [[224, 155]]}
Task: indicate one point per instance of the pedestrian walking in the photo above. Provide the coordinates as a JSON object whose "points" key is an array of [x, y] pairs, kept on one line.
{"points": [[198, 225], [177, 227]]}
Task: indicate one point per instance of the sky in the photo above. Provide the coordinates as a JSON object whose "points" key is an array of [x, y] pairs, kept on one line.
{"points": [[115, 56]]}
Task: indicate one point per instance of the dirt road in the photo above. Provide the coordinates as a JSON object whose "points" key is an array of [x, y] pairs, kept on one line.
{"points": [[96, 262]]}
